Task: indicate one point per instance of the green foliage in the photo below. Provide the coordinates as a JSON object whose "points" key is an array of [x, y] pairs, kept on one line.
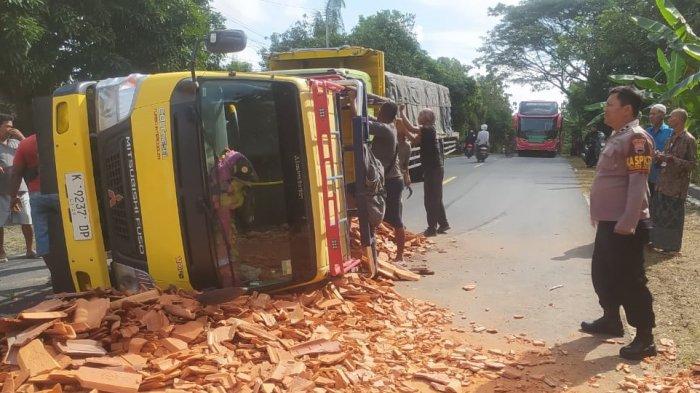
{"points": [[575, 45], [473, 101], [47, 43], [681, 72], [391, 32], [239, 66], [333, 17]]}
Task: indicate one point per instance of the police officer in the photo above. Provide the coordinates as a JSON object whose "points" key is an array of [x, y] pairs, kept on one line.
{"points": [[620, 208]]}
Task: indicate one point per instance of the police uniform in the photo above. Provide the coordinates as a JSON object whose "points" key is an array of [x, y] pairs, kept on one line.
{"points": [[620, 199]]}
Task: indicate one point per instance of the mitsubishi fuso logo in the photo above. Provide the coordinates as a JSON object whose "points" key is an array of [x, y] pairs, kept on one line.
{"points": [[134, 197], [114, 198]]}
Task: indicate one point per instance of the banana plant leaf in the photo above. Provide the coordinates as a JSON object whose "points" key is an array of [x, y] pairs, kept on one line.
{"points": [[676, 71], [686, 84], [596, 119], [594, 107], [639, 81], [663, 61], [675, 19], [659, 33], [692, 50]]}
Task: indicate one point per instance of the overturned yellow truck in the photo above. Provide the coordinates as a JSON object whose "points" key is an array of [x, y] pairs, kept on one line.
{"points": [[209, 180]]}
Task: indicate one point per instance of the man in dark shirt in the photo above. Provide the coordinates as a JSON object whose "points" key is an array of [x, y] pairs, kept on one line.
{"points": [[431, 159], [385, 148]]}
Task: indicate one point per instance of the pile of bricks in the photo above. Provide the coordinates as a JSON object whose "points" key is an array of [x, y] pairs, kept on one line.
{"points": [[345, 336], [352, 335], [416, 246], [685, 381]]}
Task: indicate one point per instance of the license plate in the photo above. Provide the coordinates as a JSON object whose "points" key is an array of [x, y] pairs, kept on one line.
{"points": [[77, 204]]}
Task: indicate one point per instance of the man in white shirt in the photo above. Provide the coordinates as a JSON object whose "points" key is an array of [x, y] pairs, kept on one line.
{"points": [[483, 137]]}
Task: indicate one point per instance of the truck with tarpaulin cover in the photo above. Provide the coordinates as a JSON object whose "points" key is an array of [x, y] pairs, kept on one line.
{"points": [[367, 65]]}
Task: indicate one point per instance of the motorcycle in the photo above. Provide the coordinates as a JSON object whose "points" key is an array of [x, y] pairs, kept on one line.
{"points": [[469, 150], [592, 149], [482, 151]]}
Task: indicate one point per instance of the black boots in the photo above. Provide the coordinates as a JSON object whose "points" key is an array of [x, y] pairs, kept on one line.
{"points": [[610, 324], [642, 346]]}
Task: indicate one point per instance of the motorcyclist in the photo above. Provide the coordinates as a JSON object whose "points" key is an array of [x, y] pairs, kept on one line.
{"points": [[482, 144], [593, 146], [483, 137], [469, 143]]}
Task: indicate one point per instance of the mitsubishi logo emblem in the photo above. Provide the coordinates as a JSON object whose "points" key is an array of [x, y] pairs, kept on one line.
{"points": [[114, 198]]}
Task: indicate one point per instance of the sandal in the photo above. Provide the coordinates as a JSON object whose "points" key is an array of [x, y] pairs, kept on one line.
{"points": [[30, 255]]}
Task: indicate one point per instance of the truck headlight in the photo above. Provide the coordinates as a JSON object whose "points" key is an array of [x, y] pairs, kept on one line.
{"points": [[115, 99]]}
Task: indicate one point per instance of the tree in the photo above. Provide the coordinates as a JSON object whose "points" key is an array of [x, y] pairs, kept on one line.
{"points": [[238, 65], [392, 32], [494, 108], [680, 73], [47, 43], [306, 33], [573, 46], [534, 42], [333, 19]]}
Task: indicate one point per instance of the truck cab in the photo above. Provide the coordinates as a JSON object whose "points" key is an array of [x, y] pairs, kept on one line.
{"points": [[224, 180]]}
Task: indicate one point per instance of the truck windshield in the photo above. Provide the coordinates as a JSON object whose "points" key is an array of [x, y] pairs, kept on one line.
{"points": [[250, 136]]}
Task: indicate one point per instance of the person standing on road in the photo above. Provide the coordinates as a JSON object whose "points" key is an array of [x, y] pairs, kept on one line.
{"points": [[385, 147], [676, 162], [432, 163], [20, 214], [619, 206], [660, 133]]}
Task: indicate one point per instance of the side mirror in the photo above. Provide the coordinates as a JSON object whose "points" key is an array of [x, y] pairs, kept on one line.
{"points": [[226, 41]]}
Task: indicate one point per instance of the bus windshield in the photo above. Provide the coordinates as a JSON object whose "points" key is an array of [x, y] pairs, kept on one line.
{"points": [[252, 140], [537, 128]]}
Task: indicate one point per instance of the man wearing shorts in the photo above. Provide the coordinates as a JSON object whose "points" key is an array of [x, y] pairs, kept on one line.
{"points": [[20, 213]]}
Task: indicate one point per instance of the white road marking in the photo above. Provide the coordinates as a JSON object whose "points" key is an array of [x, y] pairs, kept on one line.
{"points": [[478, 165]]}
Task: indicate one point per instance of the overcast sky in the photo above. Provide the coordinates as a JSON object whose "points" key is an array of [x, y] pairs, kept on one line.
{"points": [[452, 28]]}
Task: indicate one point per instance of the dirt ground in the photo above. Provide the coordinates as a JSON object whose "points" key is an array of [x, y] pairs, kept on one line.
{"points": [[673, 280]]}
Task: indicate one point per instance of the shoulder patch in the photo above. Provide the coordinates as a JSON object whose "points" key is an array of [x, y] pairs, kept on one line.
{"points": [[639, 154]]}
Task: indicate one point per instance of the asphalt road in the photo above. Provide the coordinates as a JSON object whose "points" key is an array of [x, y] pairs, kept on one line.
{"points": [[519, 225], [520, 228], [520, 232], [23, 282]]}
